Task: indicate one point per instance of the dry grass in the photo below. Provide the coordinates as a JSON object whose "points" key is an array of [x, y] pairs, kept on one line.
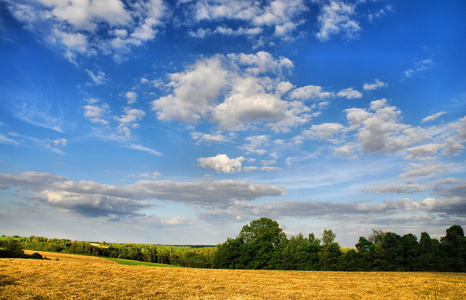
{"points": [[93, 278]]}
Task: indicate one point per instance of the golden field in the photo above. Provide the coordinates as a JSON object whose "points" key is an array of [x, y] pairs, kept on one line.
{"points": [[82, 277]]}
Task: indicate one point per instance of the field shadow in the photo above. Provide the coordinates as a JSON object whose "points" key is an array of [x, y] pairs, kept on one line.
{"points": [[5, 280]]}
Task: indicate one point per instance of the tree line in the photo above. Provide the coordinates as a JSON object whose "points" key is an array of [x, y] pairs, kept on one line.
{"points": [[262, 244], [186, 256]]}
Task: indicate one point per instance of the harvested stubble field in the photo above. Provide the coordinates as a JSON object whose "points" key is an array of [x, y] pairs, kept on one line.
{"points": [[80, 277]]}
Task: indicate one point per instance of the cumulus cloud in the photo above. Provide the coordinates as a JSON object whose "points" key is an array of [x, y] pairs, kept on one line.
{"points": [[460, 128], [76, 26], [422, 151], [373, 86], [131, 96], [195, 91], [96, 113], [128, 120], [336, 18], [234, 91], [345, 150], [379, 129], [256, 144], [349, 93], [222, 163], [310, 92], [325, 131], [281, 16]]}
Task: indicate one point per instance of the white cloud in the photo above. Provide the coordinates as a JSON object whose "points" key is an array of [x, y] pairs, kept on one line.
{"points": [[195, 92], [250, 169], [98, 78], [345, 150], [128, 120], [422, 151], [419, 170], [356, 116], [310, 92], [131, 96], [433, 117], [143, 149], [282, 16], [34, 181], [222, 163], [58, 142], [93, 199], [396, 189], [324, 131], [248, 102], [379, 130], [419, 67], [233, 91], [96, 113], [374, 86], [202, 138], [90, 204], [261, 62], [452, 147], [76, 26], [9, 138], [335, 18], [153, 175], [270, 169], [349, 93], [460, 127], [256, 144]]}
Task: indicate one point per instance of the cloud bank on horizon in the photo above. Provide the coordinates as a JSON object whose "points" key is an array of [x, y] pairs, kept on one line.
{"points": [[180, 121]]}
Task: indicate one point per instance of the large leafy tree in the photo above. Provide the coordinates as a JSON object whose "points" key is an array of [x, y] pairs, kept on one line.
{"points": [[454, 246], [262, 229]]}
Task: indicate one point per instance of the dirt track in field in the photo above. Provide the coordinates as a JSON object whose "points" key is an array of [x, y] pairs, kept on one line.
{"points": [[86, 278]]}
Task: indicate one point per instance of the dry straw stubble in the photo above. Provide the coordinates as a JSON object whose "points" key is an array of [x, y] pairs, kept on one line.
{"points": [[82, 278]]}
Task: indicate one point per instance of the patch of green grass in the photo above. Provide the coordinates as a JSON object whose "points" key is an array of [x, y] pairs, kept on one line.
{"points": [[139, 263], [6, 237]]}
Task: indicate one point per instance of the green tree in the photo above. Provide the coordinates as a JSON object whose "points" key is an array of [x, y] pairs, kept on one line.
{"points": [[392, 252], [290, 253], [12, 247], [328, 237], [308, 251], [366, 251], [260, 229], [411, 251], [454, 247], [430, 257]]}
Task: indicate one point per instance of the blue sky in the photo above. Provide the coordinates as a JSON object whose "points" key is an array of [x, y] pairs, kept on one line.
{"points": [[180, 121]]}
